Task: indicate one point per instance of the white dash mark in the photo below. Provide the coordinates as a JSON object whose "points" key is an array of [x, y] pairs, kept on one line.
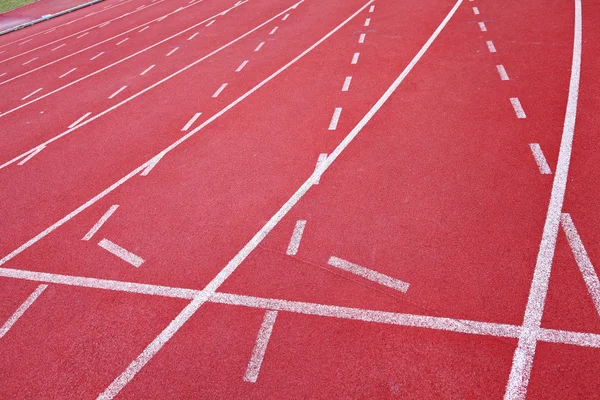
{"points": [[51, 30], [259, 46], [368, 22], [120, 252], [369, 274], [346, 84], [172, 51], [502, 72], [191, 122], [361, 39], [26, 41], [67, 73], [242, 65], [482, 27], [475, 10], [122, 41], [540, 160], [117, 92], [58, 47], [31, 94], [371, 9], [193, 36], [355, 58], [140, 7], [151, 164], [583, 260], [285, 17], [292, 249], [219, 90], [518, 108], [144, 28], [258, 354], [210, 23], [84, 116], [2, 74], [274, 30], [33, 59], [22, 308], [100, 222], [80, 36], [147, 69], [335, 119], [490, 46], [31, 155], [96, 56], [319, 168]]}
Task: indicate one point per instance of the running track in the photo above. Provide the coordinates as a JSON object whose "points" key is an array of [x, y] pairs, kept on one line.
{"points": [[301, 199]]}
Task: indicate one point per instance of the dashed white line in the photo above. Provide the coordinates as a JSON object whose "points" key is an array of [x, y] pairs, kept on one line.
{"points": [[144, 72], [361, 38], [144, 28], [259, 46], [117, 92], [96, 56], [335, 119], [193, 36], [26, 41], [368, 22], [103, 25], [260, 348], [540, 160], [210, 23], [242, 65], [475, 10], [21, 310], [27, 62], [2, 74], [100, 222], [346, 85], [274, 30], [319, 168], [120, 252], [191, 122], [482, 27], [219, 90], [285, 17], [80, 36], [518, 108], [32, 154], [31, 94], [122, 41], [172, 51], [490, 46], [151, 164], [294, 244], [84, 116], [355, 58], [369, 274], [502, 72], [58, 47], [48, 31], [371, 9], [67, 73]]}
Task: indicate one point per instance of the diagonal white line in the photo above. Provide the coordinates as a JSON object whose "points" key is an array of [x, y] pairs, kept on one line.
{"points": [[369, 274], [292, 249], [540, 160], [21, 310], [262, 340], [100, 222], [120, 252]]}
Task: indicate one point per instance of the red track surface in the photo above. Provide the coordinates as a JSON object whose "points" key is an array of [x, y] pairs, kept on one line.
{"points": [[430, 179]]}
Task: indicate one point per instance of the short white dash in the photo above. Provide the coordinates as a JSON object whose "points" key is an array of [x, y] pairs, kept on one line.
{"points": [[482, 27], [51, 30], [100, 222], [117, 92], [2, 74], [31, 94], [259, 46], [258, 354], [335, 119], [120, 252], [84, 116], [58, 47], [26, 41], [540, 160], [475, 10], [355, 58], [285, 17], [144, 28], [518, 108], [502, 72], [219, 90], [147, 69], [193, 36], [361, 38], [242, 65], [274, 30], [371, 9], [346, 84], [122, 41], [31, 155], [210, 23], [292, 249], [27, 62], [369, 274], [490, 46], [22, 308], [368, 22], [96, 56], [151, 164], [319, 168], [191, 122], [172, 51], [67, 73], [80, 36]]}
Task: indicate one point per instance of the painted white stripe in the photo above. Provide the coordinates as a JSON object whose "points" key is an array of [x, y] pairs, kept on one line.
{"points": [[258, 354], [371, 9], [490, 46], [518, 108], [191, 122], [285, 17], [520, 372], [193, 36], [80, 36], [274, 30], [361, 38], [210, 23], [294, 244], [2, 74], [58, 47], [122, 41], [147, 69], [502, 72], [335, 119], [475, 11], [368, 22], [96, 56], [117, 92], [319, 168], [151, 164], [369, 274], [355, 58], [242, 65], [84, 116], [144, 28], [31, 94], [27, 62], [259, 46], [540, 160], [346, 85], [482, 27], [100, 222], [219, 90], [140, 7], [161, 18], [583, 260], [103, 25], [172, 51], [67, 73], [21, 310], [31, 155], [26, 41], [51, 30], [120, 252]]}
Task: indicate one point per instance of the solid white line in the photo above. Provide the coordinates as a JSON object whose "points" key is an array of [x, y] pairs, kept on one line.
{"points": [[502, 72], [368, 22], [80, 36], [31, 94], [191, 122], [147, 69], [151, 164], [242, 65], [31, 155], [67, 73], [274, 30], [369, 274], [259, 46], [475, 11], [58, 47], [219, 90], [294, 244], [100, 222], [84, 116], [491, 46], [482, 27], [122, 41], [21, 310], [355, 58], [96, 56], [518, 381], [319, 168], [361, 38], [193, 36], [120, 252], [285, 17], [335, 119], [144, 28], [518, 108], [210, 23], [540, 160], [262, 340], [27, 62], [583, 260], [117, 92], [346, 85], [172, 51]]}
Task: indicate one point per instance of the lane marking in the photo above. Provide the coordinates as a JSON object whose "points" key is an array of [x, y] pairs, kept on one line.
{"points": [[147, 69], [242, 65], [285, 17], [540, 160], [144, 28], [103, 25], [21, 310], [172, 51], [259, 46], [518, 380], [274, 30], [490, 46], [27, 62], [2, 74], [193, 36], [346, 85], [583, 260], [355, 58], [294, 244], [67, 73], [31, 94], [361, 39], [368, 22], [482, 27], [100, 222], [120, 252], [502, 72], [117, 92], [475, 11], [319, 168], [48, 31], [96, 56], [56, 48], [369, 274], [27, 41], [151, 164], [191, 121], [122, 41], [219, 90], [84, 116], [161, 18], [262, 340], [80, 36], [371, 9], [31, 155], [335, 119], [210, 23], [518, 108]]}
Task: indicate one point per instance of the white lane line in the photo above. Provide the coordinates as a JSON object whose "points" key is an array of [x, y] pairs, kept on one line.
{"points": [[84, 116], [103, 25], [491, 46], [96, 56], [482, 27], [172, 51], [67, 73], [193, 36], [242, 65], [21, 310], [210, 23], [140, 7], [144, 28], [31, 94], [219, 90], [371, 9], [502, 72], [262, 340], [31, 155], [151, 164], [259, 46], [518, 108], [80, 36], [369, 274], [144, 72], [285, 17], [117, 92], [122, 41], [518, 380], [475, 11], [346, 85], [27, 41], [120, 252], [540, 160], [583, 260], [100, 222], [294, 244], [319, 168], [361, 38], [2, 74], [51, 30], [355, 58], [191, 122], [273, 31], [58, 47], [335, 119], [368, 22], [27, 62]]}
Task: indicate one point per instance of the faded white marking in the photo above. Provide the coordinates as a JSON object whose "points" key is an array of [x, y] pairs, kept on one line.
{"points": [[193, 36], [361, 38], [27, 62], [80, 36], [120, 252], [369, 274], [219, 90], [540, 160], [242, 65], [26, 41], [259, 46], [319, 168], [502, 72], [335, 119], [151, 164], [58, 47], [144, 28], [274, 30], [346, 85], [21, 310], [31, 155], [172, 51], [84, 116], [191, 122], [103, 25], [482, 27], [210, 23], [31, 94], [285, 17], [100, 222], [258, 354], [122, 41], [518, 108], [117, 92], [355, 58], [67, 73], [294, 244], [96, 56], [490, 46], [475, 11], [147, 69]]}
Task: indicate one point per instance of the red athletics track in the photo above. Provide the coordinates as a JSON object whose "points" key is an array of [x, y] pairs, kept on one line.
{"points": [[358, 199]]}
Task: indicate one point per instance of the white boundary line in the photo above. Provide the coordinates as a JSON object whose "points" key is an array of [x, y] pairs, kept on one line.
{"points": [[31, 155], [100, 222], [21, 310], [262, 340]]}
